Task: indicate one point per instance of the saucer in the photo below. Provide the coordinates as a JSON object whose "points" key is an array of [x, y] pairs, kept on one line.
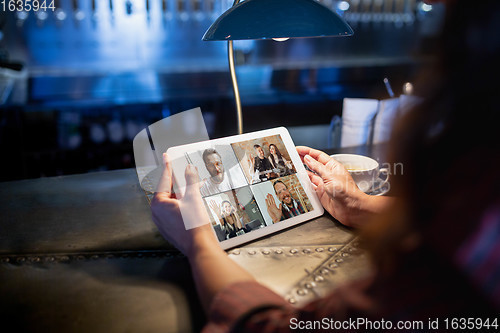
{"points": [[379, 191]]}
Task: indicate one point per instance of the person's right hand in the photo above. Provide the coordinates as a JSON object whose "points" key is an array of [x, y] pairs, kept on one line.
{"points": [[251, 162], [336, 189]]}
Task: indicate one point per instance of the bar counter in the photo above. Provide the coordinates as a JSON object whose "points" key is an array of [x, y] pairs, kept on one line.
{"points": [[80, 253]]}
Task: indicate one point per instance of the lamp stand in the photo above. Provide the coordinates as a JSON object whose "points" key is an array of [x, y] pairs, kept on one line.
{"points": [[277, 19], [230, 56], [239, 114]]}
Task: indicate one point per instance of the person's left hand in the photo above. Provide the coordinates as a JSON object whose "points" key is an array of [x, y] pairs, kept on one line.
{"points": [[172, 215]]}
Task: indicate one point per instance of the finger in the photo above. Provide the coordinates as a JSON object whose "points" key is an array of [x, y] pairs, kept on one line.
{"points": [[310, 174], [192, 181], [320, 190], [336, 164], [271, 198], [302, 150], [315, 166], [318, 155], [165, 182], [268, 202], [315, 179]]}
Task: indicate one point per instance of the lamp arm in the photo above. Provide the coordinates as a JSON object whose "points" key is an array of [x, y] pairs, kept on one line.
{"points": [[239, 115], [232, 70]]}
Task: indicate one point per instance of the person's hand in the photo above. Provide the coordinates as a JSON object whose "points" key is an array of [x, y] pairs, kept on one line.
{"points": [[215, 208], [336, 189], [254, 174], [172, 215], [273, 211], [203, 181], [251, 162]]}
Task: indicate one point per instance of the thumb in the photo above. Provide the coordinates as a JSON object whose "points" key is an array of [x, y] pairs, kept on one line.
{"points": [[280, 207]]}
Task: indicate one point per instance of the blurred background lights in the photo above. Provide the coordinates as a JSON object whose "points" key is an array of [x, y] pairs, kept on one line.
{"points": [[281, 39], [343, 5], [426, 7], [60, 15]]}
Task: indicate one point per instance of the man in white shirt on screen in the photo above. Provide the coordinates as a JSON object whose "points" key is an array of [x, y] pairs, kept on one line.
{"points": [[218, 181]]}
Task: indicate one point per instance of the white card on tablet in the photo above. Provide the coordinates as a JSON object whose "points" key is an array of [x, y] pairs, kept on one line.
{"points": [[252, 184]]}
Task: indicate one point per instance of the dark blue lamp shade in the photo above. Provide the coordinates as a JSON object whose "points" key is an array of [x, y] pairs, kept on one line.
{"points": [[263, 19]]}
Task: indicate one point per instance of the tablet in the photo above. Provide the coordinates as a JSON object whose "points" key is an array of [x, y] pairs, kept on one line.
{"points": [[252, 184]]}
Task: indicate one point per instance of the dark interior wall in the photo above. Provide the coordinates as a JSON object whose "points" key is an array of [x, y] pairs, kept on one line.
{"points": [[89, 84]]}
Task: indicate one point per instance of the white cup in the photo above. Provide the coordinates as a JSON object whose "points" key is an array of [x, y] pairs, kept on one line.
{"points": [[364, 170]]}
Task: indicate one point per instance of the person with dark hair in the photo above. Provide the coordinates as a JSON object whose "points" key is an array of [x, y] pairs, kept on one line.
{"points": [[434, 243], [288, 206], [278, 161], [229, 218], [260, 167], [218, 181]]}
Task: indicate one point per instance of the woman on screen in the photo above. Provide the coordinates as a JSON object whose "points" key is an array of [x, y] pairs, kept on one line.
{"points": [[278, 161], [229, 218]]}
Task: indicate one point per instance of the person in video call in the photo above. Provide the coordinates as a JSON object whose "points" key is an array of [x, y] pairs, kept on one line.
{"points": [[218, 181], [288, 207], [229, 218], [260, 167], [278, 161], [433, 242]]}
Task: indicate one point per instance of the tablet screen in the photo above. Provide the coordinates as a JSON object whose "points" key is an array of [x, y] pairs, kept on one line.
{"points": [[251, 184]]}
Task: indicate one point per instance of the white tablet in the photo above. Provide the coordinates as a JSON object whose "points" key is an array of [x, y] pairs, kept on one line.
{"points": [[252, 184]]}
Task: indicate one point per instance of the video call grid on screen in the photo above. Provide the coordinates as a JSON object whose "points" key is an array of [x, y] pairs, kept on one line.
{"points": [[249, 183]]}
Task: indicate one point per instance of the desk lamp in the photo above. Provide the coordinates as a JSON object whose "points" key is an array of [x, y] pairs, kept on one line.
{"points": [[273, 19]]}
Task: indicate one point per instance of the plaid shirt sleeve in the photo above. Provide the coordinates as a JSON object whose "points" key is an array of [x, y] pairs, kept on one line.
{"points": [[251, 307], [236, 303]]}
